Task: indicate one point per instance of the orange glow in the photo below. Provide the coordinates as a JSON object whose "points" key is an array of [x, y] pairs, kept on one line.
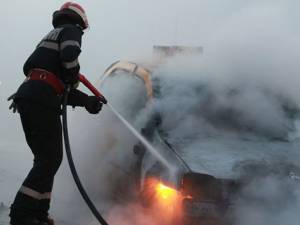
{"points": [[166, 193], [188, 197], [165, 201]]}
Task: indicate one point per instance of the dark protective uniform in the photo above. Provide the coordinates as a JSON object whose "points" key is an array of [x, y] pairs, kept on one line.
{"points": [[39, 106]]}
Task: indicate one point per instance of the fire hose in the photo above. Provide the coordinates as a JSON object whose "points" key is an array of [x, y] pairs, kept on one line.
{"points": [[80, 187]]}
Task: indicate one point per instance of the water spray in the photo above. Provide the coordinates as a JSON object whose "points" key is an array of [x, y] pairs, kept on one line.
{"points": [[143, 140]]}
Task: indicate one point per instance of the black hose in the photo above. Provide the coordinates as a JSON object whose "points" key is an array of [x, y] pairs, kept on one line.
{"points": [[72, 166]]}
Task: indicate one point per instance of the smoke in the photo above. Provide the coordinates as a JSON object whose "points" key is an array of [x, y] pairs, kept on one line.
{"points": [[269, 195], [246, 79], [276, 203], [235, 111], [235, 101], [132, 214]]}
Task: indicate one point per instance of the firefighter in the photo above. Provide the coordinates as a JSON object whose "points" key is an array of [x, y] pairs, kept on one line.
{"points": [[50, 68]]}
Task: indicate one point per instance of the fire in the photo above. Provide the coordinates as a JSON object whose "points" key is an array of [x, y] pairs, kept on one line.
{"points": [[166, 194], [166, 201]]}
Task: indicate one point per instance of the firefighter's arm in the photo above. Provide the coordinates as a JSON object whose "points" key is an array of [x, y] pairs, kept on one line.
{"points": [[70, 48], [92, 104]]}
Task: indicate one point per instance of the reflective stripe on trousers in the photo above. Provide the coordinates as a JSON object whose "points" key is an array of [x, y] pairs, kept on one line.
{"points": [[34, 194]]}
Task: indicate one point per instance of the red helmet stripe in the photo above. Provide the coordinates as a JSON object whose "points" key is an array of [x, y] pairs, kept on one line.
{"points": [[69, 5], [78, 9], [66, 5]]}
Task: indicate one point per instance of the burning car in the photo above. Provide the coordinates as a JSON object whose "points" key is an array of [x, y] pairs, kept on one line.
{"points": [[205, 182]]}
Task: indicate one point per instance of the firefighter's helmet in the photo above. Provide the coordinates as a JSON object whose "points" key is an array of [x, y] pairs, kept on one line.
{"points": [[73, 12]]}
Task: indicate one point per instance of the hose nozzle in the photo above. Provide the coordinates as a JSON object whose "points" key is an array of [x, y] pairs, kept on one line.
{"points": [[88, 84]]}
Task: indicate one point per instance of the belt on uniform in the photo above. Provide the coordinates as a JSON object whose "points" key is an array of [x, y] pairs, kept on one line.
{"points": [[49, 78]]}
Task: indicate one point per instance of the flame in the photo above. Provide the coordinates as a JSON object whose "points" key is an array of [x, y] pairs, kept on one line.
{"points": [[166, 201], [166, 194]]}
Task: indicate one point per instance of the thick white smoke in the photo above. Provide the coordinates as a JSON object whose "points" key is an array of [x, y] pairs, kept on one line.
{"points": [[269, 196], [234, 107]]}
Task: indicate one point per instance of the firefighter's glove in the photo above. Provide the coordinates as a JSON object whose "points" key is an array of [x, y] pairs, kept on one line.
{"points": [[13, 105], [93, 104], [103, 99]]}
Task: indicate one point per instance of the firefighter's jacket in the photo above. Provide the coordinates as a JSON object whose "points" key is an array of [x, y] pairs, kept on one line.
{"points": [[57, 53]]}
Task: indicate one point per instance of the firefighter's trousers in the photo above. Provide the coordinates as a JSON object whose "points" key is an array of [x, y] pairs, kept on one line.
{"points": [[43, 132]]}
